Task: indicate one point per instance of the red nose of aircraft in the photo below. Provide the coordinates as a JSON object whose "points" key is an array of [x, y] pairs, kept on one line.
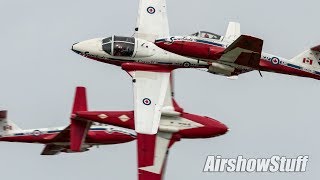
{"points": [[208, 127]]}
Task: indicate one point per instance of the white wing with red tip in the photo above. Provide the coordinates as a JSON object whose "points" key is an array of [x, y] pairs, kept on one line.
{"points": [[152, 22]]}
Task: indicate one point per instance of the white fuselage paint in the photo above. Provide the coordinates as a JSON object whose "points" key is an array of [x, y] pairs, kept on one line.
{"points": [[144, 52]]}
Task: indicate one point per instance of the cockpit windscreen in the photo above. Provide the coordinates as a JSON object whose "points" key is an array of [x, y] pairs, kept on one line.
{"points": [[119, 46]]}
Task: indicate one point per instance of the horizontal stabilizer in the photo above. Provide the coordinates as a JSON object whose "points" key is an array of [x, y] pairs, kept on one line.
{"points": [[316, 48], [245, 51], [308, 58], [248, 43]]}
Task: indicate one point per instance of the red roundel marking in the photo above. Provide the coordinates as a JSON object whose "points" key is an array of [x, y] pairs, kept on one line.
{"points": [[36, 133], [275, 61], [151, 10], [186, 64], [146, 101]]}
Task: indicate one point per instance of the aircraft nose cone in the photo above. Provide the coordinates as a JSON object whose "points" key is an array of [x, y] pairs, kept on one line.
{"points": [[80, 47], [216, 128], [88, 46], [74, 48], [222, 128]]}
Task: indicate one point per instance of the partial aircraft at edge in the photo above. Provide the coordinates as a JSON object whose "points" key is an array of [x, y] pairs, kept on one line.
{"points": [[213, 48], [64, 139]]}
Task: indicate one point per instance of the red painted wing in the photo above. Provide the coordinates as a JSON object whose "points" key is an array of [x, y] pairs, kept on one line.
{"points": [[152, 154]]}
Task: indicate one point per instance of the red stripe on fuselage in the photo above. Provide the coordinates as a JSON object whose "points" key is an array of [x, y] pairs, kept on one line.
{"points": [[211, 127], [193, 49], [99, 137], [283, 69]]}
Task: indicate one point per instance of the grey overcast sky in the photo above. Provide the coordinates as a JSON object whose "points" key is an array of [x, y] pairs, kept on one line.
{"points": [[273, 115]]}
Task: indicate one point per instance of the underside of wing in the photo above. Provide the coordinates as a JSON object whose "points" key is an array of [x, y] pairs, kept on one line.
{"points": [[245, 51], [150, 89], [150, 86], [62, 136], [152, 22], [52, 149]]}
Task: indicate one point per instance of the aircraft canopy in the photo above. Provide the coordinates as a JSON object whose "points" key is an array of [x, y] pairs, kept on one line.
{"points": [[207, 35], [119, 46]]}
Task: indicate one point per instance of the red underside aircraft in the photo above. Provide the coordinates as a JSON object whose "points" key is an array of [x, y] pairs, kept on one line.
{"points": [[153, 149]]}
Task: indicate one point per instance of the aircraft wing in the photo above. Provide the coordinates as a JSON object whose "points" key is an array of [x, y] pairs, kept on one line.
{"points": [[52, 149], [62, 136], [152, 21], [245, 51], [153, 151], [150, 85]]}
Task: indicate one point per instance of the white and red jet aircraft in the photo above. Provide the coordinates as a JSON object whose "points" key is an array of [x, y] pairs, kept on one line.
{"points": [[151, 81], [214, 48], [153, 150], [58, 139]]}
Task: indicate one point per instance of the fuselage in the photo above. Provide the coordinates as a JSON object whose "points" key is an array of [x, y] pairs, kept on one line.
{"points": [[181, 52], [211, 50], [117, 50], [181, 124], [97, 135]]}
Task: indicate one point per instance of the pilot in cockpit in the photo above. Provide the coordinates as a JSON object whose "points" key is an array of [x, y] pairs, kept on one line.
{"points": [[118, 49]]}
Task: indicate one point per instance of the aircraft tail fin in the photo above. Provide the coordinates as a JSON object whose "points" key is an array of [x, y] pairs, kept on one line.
{"points": [[80, 100], [309, 58], [233, 31], [6, 126], [79, 129]]}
